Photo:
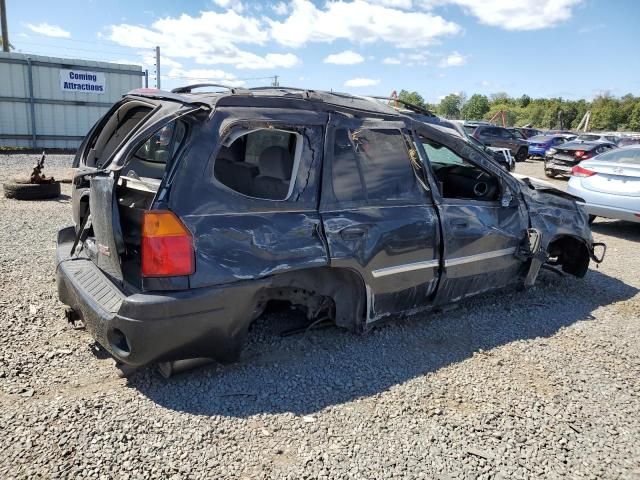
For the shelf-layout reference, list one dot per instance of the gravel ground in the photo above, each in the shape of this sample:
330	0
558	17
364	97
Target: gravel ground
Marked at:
541	384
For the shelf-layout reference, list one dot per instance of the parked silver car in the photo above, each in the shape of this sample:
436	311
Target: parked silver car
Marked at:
610	184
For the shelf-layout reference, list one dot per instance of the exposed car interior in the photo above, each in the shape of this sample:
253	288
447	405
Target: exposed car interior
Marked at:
150	160
259	163
457	177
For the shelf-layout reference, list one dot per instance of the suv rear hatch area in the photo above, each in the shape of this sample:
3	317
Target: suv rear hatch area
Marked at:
122	164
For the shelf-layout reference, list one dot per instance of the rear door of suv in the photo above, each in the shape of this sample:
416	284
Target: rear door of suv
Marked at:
377	213
248	192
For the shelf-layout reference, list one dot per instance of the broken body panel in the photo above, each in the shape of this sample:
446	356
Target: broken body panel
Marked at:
291	233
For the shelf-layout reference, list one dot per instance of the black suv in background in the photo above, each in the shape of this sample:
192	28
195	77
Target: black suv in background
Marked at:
493	136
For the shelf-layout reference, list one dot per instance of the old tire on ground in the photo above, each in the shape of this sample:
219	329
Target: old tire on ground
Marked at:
23	190
521	156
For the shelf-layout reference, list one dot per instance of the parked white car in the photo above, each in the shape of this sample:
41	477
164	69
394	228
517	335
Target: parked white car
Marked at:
609	184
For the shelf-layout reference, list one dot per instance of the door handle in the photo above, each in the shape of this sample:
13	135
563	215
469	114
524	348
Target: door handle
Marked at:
353	233
459	223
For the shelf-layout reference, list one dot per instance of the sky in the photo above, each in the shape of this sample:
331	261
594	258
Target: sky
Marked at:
543	48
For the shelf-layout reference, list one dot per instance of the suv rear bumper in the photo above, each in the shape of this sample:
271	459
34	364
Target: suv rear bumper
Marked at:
155	326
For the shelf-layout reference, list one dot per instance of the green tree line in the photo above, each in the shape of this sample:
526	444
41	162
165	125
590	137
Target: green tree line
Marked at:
607	112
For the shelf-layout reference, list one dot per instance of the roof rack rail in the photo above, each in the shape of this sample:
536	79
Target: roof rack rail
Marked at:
409	106
189	88
271	87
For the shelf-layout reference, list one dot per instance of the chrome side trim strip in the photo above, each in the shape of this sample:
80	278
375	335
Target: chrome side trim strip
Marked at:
409	267
383	272
479	257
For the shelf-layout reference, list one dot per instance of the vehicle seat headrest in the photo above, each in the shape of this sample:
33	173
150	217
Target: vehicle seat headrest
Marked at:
161	156
227	153
276	162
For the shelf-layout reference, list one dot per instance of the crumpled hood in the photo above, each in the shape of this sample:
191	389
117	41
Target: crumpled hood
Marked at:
543	187
553	211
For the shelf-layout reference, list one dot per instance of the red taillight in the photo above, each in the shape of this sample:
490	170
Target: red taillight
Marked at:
579	171
579	153
167	245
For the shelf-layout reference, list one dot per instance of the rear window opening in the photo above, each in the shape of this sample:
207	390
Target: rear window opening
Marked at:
259	163
117	128
137	186
151	159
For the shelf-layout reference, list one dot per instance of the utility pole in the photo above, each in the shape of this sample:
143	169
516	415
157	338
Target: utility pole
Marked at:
157	67
275	81
5	28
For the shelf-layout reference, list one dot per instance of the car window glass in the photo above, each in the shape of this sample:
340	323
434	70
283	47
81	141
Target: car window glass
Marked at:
162	144
385	163
588	138
622	155
259	163
458	177
373	165
346	173
151	158
504	133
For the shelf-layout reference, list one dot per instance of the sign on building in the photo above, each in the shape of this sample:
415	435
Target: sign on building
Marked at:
82	81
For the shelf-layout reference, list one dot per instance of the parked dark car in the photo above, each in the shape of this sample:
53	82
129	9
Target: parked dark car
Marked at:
626	141
560	160
524	132
501	156
493	136
194	210
539	145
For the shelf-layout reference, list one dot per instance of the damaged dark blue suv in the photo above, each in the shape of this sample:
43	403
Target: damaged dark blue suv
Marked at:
194	210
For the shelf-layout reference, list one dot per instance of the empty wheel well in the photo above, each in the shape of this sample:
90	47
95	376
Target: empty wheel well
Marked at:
571	253
335	292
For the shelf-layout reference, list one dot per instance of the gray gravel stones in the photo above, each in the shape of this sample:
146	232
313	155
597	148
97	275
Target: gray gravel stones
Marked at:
541	384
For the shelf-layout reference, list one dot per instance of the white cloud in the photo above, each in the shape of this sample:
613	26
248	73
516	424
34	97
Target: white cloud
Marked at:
280	8
409	59
269	61
514	14
48	30
361	82
403	4
149	59
453	60
206	75
358	21
210	38
235	5
348	57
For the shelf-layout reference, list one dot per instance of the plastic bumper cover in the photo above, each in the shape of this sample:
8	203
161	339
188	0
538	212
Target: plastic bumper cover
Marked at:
155	326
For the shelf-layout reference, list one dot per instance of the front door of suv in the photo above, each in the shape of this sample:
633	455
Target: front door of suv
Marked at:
377	214
483	221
